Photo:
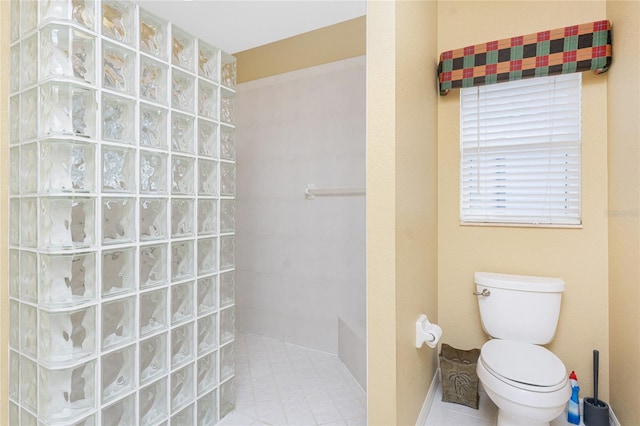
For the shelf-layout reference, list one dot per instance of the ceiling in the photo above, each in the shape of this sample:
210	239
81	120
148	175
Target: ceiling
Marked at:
237	25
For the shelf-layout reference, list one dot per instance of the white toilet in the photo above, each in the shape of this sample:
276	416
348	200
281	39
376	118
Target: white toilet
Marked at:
527	382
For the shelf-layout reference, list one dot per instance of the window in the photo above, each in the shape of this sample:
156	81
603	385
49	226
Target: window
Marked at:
520	152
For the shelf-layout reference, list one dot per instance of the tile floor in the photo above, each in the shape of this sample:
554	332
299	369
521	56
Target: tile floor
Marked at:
282	384
448	414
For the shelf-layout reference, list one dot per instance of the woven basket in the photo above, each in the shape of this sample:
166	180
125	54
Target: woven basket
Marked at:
459	377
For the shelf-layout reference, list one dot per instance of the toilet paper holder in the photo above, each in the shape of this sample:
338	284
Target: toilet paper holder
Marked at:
427	332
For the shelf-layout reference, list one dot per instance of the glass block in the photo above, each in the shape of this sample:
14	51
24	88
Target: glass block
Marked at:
29	276
207	61
208	409
67	223
67	109
153	35
118	21
14	332
67	280
87	421
227	361
67	392
227	289
182	91
118	373
153	173
207	290
14	273
227	398
29	222
14	376
118	68
67	336
207	334
153	311
206	373
227	252
207	216
184	417
227	106
81	12
182	386
181	218
227	179
153	126
153	265
14	409
28	329
207	177
182	256
29	388
14	171
14	66
182	345
118	322
14	20
182	302
29	59
29	114
29	168
153	358
182	49
153	219
122	412
27	419
152	402
182	175
67	166
207	100
118	220
207	138
228	70
153	80
15	119
67	52
118	118
227	216
14	222
227	144
118	271
227	325
118	169
207	255
181	133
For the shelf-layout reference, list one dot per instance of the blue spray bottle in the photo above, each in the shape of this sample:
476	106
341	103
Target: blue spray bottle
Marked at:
574	402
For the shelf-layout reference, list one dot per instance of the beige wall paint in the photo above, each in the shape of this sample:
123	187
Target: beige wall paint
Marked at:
416	199
578	256
329	44
4	209
624	210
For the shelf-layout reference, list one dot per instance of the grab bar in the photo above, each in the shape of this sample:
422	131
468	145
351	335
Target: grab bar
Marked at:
312	192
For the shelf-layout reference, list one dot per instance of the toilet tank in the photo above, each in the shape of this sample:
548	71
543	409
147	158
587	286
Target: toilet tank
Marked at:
519	307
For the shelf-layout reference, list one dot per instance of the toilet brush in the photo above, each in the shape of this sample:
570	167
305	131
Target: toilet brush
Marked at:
596	412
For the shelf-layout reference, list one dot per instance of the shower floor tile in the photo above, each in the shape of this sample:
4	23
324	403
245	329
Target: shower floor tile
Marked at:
282	384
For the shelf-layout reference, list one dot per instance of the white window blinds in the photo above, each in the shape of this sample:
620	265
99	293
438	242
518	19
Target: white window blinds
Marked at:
520	151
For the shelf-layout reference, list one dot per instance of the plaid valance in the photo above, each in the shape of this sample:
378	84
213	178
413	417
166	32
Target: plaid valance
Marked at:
564	50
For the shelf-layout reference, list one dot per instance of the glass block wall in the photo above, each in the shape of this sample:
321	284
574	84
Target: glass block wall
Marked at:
122	185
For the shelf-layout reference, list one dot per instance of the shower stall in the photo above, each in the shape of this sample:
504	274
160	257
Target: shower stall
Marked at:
122	228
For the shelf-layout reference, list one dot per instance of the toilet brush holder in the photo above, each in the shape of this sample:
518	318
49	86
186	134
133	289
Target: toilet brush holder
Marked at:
596	411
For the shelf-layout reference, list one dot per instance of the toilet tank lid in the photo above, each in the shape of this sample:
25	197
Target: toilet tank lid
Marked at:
520	282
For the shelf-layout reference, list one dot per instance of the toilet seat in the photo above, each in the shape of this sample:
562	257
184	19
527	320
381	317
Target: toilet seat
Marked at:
524	365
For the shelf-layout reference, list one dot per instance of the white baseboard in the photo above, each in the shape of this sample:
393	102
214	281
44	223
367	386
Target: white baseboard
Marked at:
426	406
613	420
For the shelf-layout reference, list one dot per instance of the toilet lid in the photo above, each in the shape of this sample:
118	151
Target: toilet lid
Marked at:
523	363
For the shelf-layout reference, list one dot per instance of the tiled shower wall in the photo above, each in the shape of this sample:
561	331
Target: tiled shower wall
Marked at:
122	187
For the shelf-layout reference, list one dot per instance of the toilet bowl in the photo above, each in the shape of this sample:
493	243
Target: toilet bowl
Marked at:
527	382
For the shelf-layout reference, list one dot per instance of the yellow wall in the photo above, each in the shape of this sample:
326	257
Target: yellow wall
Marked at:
329	44
4	209
624	210
578	256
